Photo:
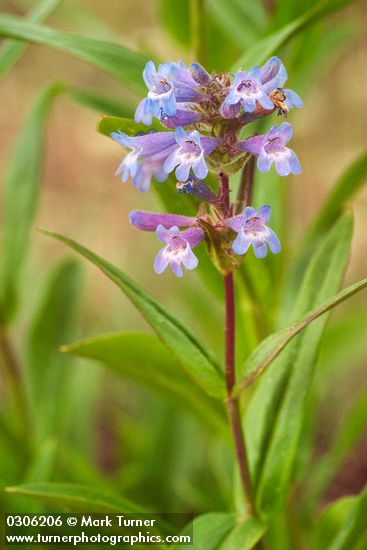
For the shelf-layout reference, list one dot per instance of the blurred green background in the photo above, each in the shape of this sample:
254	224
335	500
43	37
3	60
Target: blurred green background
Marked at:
115	434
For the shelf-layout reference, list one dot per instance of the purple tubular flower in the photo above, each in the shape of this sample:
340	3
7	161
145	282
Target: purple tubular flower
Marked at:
178	249
199	74
181	118
160	95
273	77
185	87
149	221
270	148
246	90
196	187
146	158
190	153
252	230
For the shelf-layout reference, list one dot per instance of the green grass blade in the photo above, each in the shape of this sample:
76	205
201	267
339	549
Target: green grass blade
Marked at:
75	498
264	418
271	347
269	45
200	363
52	325
12	50
354	526
349	184
21	197
118	61
103	104
245	535
144	359
209	530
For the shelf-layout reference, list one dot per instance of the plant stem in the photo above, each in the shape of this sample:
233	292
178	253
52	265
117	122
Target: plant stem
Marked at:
232	403
244	196
197	30
14	375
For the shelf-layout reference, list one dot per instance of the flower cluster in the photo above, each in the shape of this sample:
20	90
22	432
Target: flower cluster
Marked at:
203	118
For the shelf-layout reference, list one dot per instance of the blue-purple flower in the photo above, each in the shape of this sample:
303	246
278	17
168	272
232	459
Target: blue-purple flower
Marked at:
190	153
273	76
146	158
271	148
172	83
252	230
246	91
177	249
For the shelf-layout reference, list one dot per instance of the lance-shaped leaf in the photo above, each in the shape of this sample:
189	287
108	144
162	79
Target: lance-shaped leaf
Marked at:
109	124
244	536
52	325
275	414
144	359
11	51
75	498
101	103
346	187
21	197
354	526
270	348
209	530
267	46
199	362
121	63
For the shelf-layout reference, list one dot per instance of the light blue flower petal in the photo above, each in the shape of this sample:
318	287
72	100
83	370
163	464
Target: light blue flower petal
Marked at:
160	262
285	132
177	269
294	163
180	135
282	164
241	244
171	162
264	162
264	213
200	168
183	170
189	259
148	74
141	116
293	100
260	249
249	212
274	242
168	104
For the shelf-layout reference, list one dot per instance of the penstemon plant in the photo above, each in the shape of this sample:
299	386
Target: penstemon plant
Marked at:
210	114
214	147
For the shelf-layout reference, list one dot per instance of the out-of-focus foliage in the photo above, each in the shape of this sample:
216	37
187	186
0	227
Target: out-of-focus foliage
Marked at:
147	424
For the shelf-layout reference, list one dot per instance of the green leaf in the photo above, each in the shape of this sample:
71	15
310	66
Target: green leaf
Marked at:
12	50
175	17
121	63
199	362
75	498
274	416
354	526
349	183
270	348
233	22
322	472
267	46
144	359
244	536
51	326
209	530
101	103
108	124
21	197
330	522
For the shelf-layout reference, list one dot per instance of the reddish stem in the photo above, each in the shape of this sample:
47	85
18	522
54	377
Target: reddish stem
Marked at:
232	403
